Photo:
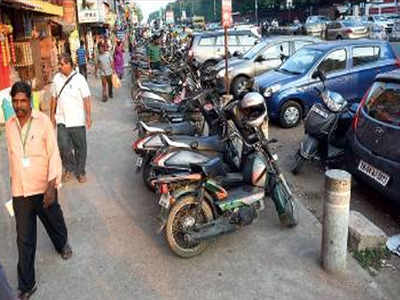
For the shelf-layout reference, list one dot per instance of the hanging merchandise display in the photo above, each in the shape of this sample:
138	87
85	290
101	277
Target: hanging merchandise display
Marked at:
74	43
5	55
23	54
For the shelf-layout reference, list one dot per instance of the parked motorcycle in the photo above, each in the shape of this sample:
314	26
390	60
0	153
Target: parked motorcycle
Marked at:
325	128
203	200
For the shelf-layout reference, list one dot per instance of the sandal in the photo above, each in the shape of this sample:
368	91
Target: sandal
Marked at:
28	294
66	252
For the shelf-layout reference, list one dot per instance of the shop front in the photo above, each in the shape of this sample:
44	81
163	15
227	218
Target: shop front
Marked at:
32	36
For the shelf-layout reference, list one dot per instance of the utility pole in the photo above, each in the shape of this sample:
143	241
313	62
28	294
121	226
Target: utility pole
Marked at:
256	10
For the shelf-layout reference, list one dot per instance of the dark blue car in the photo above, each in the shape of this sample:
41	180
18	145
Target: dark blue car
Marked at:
373	155
349	66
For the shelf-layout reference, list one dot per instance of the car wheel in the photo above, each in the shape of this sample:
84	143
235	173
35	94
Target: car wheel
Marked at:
239	86
290	115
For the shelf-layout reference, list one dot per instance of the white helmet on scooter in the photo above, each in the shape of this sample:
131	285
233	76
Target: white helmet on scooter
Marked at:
253	110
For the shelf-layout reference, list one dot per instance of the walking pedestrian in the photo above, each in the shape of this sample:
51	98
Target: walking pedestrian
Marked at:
154	53
35	176
81	55
6	292
105	65
70	110
119	59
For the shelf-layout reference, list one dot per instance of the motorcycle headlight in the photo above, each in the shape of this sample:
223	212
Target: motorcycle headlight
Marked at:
332	104
271	90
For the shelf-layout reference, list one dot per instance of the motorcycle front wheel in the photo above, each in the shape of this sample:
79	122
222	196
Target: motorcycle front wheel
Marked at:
181	218
290	215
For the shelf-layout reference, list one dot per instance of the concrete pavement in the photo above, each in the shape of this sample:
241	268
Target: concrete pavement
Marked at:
118	255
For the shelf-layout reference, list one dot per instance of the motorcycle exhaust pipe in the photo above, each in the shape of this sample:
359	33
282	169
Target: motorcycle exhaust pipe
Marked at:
210	232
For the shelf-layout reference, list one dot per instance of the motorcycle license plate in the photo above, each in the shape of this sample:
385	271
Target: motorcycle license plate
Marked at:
164	201
320	112
374	173
139	162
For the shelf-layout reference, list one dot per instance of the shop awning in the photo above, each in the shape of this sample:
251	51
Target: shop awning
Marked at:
38	6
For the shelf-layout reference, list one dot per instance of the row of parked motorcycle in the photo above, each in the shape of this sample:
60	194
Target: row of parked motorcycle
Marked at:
207	158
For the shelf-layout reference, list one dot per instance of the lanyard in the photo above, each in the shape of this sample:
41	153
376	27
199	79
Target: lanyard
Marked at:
26	135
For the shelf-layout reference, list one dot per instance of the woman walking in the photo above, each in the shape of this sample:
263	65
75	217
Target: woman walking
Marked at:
119	59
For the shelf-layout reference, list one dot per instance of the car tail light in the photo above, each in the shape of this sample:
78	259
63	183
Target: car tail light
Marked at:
163	188
357	115
397	62
348	31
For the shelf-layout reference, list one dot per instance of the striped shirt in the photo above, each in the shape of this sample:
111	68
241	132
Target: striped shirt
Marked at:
81	54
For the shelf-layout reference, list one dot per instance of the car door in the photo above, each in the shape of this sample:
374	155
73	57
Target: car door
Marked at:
219	49
335	67
271	57
364	68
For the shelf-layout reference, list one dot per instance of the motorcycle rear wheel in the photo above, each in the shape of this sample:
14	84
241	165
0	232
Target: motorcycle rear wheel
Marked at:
298	164
174	231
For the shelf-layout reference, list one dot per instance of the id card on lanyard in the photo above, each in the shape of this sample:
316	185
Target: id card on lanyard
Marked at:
26	163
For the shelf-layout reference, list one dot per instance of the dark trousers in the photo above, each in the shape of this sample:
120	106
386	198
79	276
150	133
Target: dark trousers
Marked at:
73	148
83	70
6	293
26	210
107	81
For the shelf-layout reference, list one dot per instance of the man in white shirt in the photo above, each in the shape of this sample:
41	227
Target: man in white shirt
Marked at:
70	109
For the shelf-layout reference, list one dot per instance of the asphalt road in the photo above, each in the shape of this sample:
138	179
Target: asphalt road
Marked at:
118	254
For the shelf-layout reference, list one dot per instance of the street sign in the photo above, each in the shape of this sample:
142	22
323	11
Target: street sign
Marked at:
226	13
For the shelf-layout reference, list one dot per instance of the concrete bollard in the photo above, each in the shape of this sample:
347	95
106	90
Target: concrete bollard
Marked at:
336	221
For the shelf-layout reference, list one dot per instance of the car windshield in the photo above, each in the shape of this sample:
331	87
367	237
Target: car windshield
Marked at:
250	54
383	103
301	61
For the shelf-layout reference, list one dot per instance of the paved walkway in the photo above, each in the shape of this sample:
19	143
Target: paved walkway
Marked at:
118	255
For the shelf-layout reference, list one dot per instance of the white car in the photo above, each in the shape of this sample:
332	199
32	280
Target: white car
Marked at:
378	32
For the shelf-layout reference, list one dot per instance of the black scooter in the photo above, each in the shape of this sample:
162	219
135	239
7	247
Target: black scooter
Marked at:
325	128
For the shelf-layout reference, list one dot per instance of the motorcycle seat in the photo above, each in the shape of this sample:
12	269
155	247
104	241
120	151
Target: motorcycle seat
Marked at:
159	106
183	159
174	128
209	168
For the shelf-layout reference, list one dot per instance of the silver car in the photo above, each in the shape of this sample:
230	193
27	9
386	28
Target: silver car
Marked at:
348	29
208	48
267	55
315	25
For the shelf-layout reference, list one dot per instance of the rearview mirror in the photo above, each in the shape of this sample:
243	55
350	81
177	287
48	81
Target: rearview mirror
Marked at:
318	74
260	58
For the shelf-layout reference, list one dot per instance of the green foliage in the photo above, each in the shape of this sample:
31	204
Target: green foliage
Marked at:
372	257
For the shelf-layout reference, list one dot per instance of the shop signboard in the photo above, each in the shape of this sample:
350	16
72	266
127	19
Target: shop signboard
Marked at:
90	11
169	17
226	13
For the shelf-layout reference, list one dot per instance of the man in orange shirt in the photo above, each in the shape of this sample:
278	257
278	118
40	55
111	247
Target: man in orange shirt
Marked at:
35	174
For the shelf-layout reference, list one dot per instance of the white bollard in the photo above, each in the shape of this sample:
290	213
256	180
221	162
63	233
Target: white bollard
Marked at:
336	221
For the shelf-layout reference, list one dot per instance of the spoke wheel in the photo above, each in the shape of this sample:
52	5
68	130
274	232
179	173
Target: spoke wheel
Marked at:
182	217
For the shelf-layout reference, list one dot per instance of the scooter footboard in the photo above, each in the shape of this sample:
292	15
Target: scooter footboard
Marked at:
309	147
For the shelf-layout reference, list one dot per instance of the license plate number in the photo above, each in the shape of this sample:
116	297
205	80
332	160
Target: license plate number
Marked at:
139	162
374	173
164	201
320	112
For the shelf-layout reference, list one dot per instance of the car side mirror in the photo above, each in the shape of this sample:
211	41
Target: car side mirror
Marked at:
260	58
236	54
318	74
